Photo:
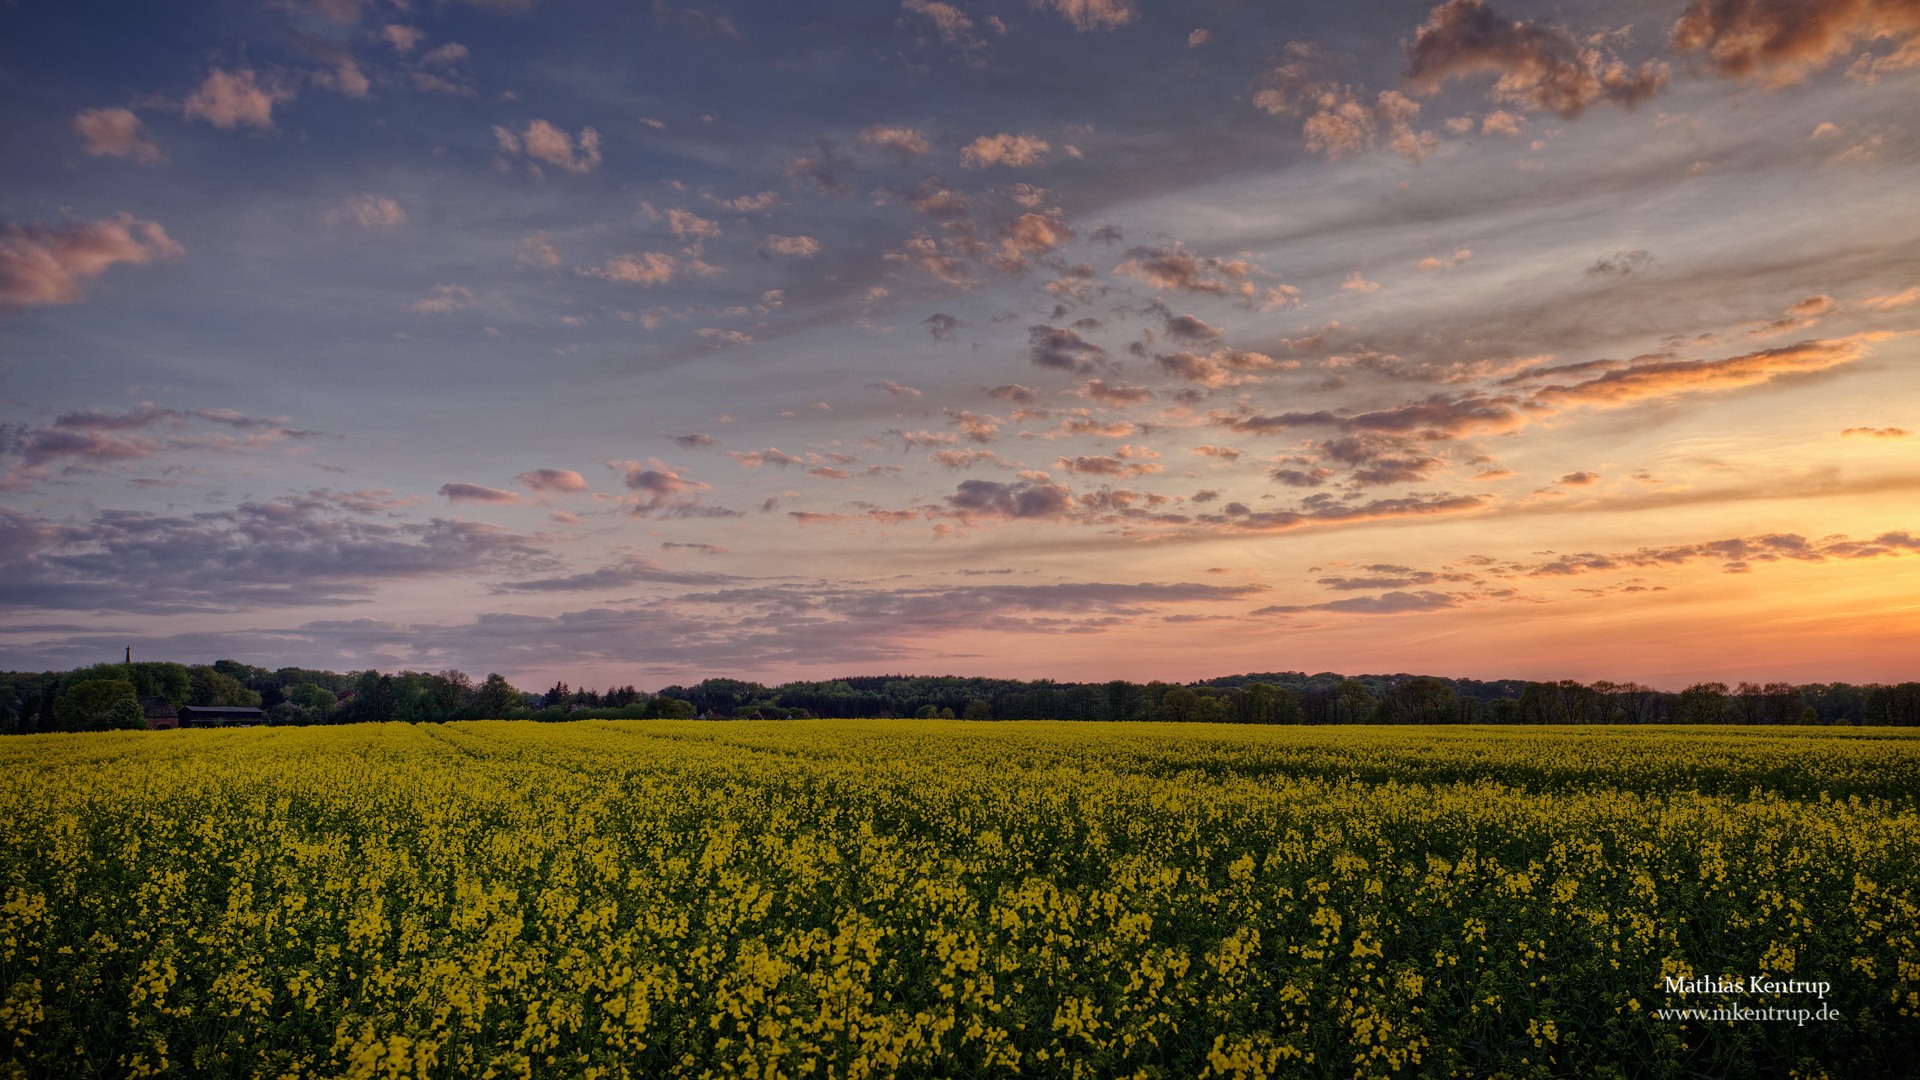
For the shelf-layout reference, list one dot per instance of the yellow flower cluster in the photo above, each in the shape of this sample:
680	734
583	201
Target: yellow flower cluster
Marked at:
870	898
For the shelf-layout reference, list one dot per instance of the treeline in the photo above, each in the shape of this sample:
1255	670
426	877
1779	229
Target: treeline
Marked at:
1326	698
110	695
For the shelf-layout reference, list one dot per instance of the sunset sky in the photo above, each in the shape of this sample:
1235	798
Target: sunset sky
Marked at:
1081	339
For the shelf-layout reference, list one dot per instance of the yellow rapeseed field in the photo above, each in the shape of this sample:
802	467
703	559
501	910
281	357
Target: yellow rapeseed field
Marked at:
876	898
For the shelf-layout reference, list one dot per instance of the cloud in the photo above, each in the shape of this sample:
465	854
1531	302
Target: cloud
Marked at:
1012	151
941	326
963	459
404	39
1089	15
1030	234
48	264
647	268
1536	66
1622	263
1106	465
1579	479
1173	268
551	481
1876	432
456	492
1736	554
903	140
1392	603
661	492
373	212
229	99
626	572
1063	350
1438	416
1435	262
953	27
803	247
1222	367
1220	453
977	500
1381	459
95	441
1342	124
1776	43
117	133
689	442
1357	282
1894	300
1190	329
445	299
1665	378
542	141
1014	392
698	23
1323	510
772	455
1118	395
888	386
302	549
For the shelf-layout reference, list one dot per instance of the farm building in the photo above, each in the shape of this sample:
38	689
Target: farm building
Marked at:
160	713
220	716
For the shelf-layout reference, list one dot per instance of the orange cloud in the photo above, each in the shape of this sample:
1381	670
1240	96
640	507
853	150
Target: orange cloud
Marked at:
1536	66
1777	44
1659	379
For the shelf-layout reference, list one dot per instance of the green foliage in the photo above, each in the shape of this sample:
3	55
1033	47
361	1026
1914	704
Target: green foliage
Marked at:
217	688
126	715
89	705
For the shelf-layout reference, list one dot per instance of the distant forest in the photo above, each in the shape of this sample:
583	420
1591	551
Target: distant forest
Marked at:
120	695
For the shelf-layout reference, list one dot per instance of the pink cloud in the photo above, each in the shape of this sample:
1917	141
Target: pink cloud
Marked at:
647	268
456	492
229	99
117	133
544	481
1088	15
1007	150
42	265
542	141
902	139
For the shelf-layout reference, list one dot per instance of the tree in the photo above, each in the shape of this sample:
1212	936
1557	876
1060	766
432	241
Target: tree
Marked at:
1420	700
88	706
978	709
497	697
127	715
1702	703
314	698
1352	704
1179	705
216	688
670	708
